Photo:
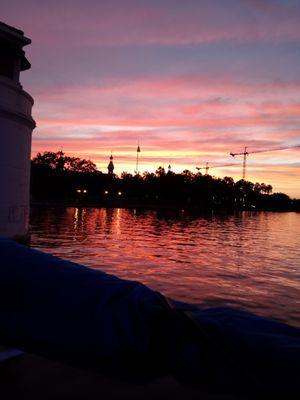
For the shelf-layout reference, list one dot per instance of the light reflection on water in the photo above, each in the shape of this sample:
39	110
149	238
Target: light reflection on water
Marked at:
248	260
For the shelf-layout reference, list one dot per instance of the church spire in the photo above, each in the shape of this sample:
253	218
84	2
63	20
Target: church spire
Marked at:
111	166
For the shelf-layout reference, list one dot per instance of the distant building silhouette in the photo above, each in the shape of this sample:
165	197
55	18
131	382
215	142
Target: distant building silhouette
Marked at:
138	150
111	166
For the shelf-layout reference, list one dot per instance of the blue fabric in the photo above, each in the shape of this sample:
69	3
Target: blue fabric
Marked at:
68	312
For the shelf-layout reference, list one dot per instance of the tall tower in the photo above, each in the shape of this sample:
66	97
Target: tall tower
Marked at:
138	150
16	125
111	166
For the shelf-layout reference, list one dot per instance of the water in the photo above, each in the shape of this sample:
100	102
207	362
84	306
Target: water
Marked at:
247	260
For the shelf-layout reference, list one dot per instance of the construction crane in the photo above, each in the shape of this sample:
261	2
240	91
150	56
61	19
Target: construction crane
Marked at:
207	167
245	154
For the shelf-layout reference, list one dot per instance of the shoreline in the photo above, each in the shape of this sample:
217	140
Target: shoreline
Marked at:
153	207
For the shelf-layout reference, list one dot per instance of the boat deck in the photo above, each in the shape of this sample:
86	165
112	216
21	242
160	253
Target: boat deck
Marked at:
28	377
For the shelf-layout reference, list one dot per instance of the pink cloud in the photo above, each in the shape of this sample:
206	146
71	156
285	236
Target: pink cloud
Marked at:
91	97
205	124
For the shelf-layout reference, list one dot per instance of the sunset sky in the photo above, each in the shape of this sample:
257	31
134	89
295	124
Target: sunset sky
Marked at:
192	80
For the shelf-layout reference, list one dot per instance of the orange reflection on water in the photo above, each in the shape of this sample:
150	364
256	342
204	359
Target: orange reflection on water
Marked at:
249	260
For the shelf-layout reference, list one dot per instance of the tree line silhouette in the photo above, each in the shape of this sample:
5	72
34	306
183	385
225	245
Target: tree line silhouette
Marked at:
58	178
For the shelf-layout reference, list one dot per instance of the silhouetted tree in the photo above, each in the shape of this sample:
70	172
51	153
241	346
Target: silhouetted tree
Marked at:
228	180
267	189
257	187
187	175
75	164
126	175
50	159
58	177
59	161
160	172
148	175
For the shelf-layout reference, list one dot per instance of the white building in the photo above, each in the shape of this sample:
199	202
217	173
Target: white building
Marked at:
16	125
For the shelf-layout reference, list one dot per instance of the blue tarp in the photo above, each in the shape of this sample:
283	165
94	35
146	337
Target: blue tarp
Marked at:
68	312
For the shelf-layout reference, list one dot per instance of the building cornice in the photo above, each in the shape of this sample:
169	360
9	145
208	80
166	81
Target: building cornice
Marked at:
17	117
17	87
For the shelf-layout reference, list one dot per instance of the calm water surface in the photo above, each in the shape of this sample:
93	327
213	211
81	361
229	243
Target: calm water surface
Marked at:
247	260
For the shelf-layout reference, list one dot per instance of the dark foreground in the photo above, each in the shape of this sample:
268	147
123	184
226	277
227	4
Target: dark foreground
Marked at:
30	377
126	331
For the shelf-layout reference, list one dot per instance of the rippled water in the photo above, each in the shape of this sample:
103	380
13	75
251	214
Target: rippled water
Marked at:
247	260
